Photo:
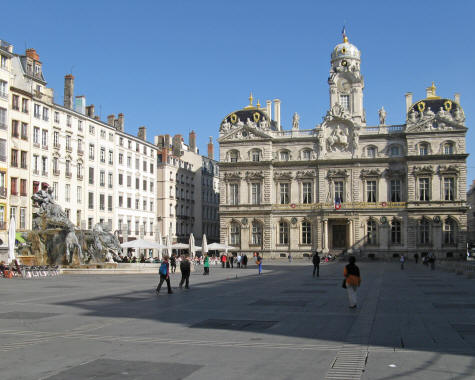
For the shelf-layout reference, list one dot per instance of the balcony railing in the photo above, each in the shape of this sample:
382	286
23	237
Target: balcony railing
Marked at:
69	174
80	152
3	192
44	173
69	149
56	146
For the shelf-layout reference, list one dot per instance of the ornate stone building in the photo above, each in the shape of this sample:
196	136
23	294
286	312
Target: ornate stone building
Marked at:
344	185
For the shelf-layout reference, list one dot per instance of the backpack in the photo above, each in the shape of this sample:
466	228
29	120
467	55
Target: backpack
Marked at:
163	269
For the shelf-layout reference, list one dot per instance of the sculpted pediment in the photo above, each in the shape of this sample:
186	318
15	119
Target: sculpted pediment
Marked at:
230	176
394	173
305	174
337	173
370	173
283	175
426	120
338	137
423	170
244	133
448	169
250	176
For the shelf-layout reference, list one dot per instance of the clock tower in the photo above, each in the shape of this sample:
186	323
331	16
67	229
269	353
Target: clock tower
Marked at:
346	82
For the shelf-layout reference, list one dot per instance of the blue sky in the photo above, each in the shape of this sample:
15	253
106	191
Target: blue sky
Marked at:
180	65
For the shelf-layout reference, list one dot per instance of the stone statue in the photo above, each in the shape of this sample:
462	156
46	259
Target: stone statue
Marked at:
72	242
103	245
226	126
458	115
442	113
429	114
412	117
338	140
263	124
250	123
239	123
295	121
321	143
356	139
382	116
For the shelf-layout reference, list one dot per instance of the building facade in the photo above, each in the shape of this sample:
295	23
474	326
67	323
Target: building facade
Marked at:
345	186
98	172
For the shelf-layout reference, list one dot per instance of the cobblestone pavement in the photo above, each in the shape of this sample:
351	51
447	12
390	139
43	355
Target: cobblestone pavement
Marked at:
235	324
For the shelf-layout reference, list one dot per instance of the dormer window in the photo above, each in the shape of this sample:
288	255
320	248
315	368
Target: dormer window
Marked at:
345	101
423	149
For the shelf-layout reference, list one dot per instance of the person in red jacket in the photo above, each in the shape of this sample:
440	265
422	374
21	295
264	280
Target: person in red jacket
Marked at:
223	260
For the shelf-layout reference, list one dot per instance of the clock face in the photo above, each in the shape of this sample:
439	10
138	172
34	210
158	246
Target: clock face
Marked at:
344	63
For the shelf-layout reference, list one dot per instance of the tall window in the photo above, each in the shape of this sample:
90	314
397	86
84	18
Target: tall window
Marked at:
14	188
371	231
306	233
103	155
24	131
256	233
79	195
255	156
91	151
371	151
67	193
449	232
3	118
424	189
395	232
339	190
284	155
371	191
233	156
235	234
449	148
91	176
306	154
36	135
102	178
255	193
23	187
22	218
283	233
395	195
68	142
394	151
234	194
307	192
102	202
449	189
284	193
44	138
424	231
345	101
423	149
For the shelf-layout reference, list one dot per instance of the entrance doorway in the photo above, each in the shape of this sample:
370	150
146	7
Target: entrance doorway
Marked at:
339	236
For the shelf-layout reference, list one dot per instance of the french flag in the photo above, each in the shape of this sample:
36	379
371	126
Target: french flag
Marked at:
337	203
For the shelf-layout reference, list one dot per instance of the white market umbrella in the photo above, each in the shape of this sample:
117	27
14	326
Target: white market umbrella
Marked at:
204	245
180	246
159	242
221	247
142	244
11	240
192	247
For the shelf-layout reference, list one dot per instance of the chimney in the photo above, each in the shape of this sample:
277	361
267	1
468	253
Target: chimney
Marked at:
110	120
68	91
165	155
277	113
120	123
142	133
177	141
31	53
211	148
269	109
192	140
457	98
90	110
408	101
80	104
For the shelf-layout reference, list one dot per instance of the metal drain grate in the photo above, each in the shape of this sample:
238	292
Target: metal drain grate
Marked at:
348	364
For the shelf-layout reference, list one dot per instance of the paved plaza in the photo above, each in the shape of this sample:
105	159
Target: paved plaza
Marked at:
411	324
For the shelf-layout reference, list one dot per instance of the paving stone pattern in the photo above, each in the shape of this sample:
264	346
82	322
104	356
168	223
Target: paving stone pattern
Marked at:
234	324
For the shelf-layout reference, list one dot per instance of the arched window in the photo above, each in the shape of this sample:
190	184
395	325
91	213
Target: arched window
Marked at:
235	234
306	232
423	149
371	232
371	151
283	233
255	155
395	231
233	156
256	233
449	231
394	151
284	155
424	231
449	148
306	154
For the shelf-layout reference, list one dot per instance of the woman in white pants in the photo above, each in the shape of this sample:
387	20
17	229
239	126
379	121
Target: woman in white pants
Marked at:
353	281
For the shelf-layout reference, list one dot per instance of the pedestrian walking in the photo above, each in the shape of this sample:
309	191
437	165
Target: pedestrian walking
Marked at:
352	281
259	263
290	258
206	265
316	264
164	272
402	260
416	257
173	263
244	261
239	258
231	261
223	260
185	269
432	261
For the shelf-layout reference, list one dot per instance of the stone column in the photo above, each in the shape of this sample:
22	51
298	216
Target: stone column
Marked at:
350	235
325	236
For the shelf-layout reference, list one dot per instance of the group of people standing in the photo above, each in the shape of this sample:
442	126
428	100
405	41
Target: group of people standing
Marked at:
164	272
228	261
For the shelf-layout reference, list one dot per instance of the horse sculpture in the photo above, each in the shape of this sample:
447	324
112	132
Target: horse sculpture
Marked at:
72	242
